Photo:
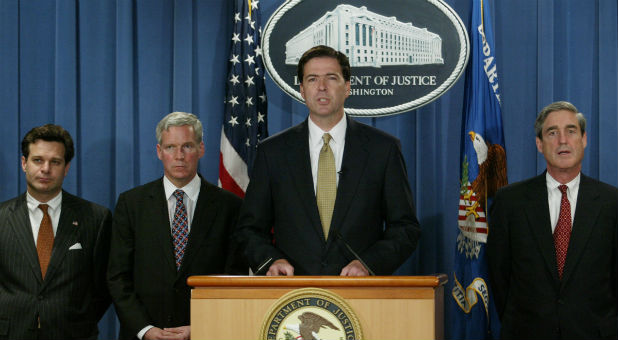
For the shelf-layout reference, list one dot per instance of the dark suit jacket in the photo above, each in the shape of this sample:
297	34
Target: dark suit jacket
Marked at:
531	301
373	189
73	296
142	277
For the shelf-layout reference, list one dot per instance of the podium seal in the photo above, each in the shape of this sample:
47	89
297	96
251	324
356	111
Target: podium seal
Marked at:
311	314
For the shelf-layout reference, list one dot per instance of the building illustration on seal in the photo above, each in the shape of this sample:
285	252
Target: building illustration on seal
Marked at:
368	39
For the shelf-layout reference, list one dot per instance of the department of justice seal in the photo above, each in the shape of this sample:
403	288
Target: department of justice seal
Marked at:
404	53
311	314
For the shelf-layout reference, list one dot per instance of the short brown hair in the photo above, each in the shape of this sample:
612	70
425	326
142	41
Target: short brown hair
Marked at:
49	133
323	51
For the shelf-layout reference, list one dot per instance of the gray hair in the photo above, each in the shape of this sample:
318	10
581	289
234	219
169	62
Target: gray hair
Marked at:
558	106
180	119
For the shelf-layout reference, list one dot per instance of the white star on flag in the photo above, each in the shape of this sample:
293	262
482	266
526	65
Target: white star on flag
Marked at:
250	60
249	39
249	81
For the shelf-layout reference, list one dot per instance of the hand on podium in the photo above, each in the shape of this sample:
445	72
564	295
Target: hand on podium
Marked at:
354	268
176	333
280	267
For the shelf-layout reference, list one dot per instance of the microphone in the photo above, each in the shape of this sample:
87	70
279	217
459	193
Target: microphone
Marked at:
262	266
341	171
340	237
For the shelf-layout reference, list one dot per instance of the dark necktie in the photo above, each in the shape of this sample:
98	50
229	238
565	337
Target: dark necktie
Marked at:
180	227
562	233
45	240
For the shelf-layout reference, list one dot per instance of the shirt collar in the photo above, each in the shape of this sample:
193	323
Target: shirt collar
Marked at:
553	184
192	189
337	133
53	203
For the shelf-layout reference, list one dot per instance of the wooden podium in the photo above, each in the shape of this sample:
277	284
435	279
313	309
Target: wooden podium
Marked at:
388	307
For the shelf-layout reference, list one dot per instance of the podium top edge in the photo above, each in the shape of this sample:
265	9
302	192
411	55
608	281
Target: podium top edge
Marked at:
316	281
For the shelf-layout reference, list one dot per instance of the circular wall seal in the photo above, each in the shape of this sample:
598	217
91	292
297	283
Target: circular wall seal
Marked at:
403	53
313	314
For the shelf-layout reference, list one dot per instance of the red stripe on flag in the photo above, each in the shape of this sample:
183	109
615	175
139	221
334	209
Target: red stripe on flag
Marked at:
227	181
479	219
473	229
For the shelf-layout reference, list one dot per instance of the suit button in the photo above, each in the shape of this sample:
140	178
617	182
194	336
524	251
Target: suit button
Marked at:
324	264
40	297
560	302
169	318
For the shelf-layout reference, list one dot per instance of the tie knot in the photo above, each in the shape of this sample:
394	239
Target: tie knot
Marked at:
563	188
43	207
179	194
326	138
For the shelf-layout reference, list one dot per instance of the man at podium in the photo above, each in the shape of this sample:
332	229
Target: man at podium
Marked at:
329	196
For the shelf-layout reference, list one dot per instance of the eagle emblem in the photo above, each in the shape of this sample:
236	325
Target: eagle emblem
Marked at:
491	159
310	324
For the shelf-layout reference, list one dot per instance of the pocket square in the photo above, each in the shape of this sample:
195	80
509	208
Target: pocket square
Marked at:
76	246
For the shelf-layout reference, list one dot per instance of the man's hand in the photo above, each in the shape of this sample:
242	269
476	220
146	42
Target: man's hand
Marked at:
177	333
280	267
354	268
182	332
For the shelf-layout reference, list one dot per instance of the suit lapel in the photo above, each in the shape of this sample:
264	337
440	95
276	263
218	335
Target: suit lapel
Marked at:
299	163
537	211
205	212
352	167
161	223
586	213
66	233
19	221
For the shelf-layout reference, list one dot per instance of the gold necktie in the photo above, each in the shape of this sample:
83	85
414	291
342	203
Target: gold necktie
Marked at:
327	184
45	240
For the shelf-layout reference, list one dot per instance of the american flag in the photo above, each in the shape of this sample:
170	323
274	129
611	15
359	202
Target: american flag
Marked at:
244	121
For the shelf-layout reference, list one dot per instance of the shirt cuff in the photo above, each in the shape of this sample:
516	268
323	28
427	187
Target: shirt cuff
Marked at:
141	333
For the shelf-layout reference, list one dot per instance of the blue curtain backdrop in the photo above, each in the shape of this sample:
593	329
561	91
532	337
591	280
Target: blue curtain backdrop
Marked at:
108	71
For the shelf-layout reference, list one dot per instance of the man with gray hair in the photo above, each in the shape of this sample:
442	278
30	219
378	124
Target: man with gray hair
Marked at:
165	231
552	242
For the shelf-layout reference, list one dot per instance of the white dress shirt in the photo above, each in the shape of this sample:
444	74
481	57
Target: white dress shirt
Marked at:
554	198
337	144
36	214
192	191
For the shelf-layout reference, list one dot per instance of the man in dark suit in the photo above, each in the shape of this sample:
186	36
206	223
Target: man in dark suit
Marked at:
53	249
326	184
552	242
165	231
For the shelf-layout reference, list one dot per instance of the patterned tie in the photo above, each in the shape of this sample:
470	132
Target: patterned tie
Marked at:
562	233
327	184
180	228
45	240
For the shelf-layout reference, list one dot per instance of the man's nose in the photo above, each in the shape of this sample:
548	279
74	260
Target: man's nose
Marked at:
45	167
321	83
